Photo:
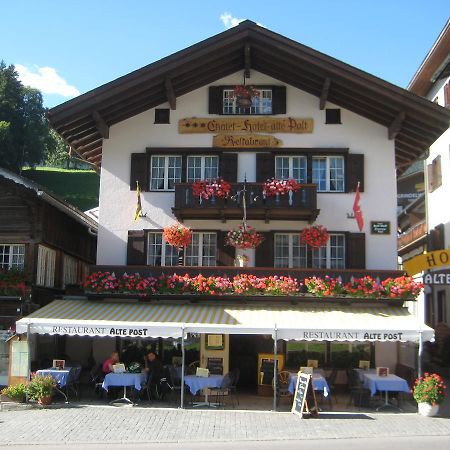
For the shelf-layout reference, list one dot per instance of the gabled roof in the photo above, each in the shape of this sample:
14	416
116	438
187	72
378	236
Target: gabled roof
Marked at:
49	197
415	123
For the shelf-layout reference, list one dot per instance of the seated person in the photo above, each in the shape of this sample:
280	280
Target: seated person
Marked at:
155	370
107	365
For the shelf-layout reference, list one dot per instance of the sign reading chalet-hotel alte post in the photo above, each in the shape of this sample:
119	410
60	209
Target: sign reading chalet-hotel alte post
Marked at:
231	125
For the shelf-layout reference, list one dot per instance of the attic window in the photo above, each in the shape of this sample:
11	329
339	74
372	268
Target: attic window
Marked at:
332	116
261	104
162	115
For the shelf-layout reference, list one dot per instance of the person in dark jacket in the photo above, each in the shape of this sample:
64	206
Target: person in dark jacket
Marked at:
155	370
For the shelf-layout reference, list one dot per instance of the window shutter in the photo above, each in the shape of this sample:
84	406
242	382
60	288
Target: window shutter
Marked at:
225	253
136	248
215	100
434	174
228	166
264	254
265	166
447	95
355	251
278	99
437	238
355	172
139	171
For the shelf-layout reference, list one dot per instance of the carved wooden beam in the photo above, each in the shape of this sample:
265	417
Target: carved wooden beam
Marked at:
247	60
324	93
101	125
396	125
171	97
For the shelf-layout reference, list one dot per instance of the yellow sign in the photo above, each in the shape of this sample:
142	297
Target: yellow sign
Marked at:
246	141
427	261
245	125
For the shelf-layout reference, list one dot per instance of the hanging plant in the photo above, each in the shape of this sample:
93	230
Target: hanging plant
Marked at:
273	187
178	235
244	237
206	189
316	236
245	91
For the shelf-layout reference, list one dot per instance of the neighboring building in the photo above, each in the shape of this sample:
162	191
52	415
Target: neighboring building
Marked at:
432	81
48	241
338	126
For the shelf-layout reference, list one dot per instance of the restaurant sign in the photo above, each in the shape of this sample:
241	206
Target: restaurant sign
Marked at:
245	125
437	278
246	141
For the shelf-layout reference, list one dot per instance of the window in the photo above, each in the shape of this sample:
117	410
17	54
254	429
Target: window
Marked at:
162	115
165	172
12	256
46	267
159	252
441	312
332	116
289	251
202	168
260	105
291	167
202	250
328	173
70	270
332	256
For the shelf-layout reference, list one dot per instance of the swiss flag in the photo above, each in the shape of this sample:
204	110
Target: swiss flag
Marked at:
357	209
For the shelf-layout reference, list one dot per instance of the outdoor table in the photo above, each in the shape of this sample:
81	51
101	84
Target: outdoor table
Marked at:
61	376
319	383
197	383
389	383
124	379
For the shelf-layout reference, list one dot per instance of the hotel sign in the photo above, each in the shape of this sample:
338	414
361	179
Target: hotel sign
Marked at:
245	125
437	278
246	141
427	261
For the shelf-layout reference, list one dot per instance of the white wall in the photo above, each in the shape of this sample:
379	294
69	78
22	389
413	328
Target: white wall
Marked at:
378	202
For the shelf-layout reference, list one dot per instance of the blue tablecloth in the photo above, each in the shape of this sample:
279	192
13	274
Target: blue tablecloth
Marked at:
196	383
124	379
390	383
318	381
61	376
361	373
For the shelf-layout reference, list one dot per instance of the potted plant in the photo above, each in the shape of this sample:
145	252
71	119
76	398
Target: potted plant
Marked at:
429	392
178	235
244	95
14	393
41	389
209	189
316	236
244	236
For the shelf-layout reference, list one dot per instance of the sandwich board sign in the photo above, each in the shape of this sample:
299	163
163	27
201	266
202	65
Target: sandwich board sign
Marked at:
304	393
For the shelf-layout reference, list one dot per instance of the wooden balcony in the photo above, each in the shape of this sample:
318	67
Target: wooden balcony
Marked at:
301	205
416	235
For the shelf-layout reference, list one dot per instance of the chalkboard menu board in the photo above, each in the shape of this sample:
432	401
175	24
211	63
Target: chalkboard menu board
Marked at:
215	366
267	370
304	396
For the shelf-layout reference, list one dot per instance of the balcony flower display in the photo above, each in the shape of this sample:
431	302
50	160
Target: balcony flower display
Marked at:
273	187
211	188
316	236
324	287
12	282
244	236
429	392
102	282
178	235
363	287
401	287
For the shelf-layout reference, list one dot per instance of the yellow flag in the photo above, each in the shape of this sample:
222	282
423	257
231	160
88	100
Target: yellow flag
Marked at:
138	212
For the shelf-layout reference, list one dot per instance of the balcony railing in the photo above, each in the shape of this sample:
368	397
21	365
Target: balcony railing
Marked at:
301	205
413	234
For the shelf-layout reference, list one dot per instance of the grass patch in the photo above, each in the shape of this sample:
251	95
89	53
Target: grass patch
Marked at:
78	187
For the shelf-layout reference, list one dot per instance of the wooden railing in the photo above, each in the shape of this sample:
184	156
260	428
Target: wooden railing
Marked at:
413	234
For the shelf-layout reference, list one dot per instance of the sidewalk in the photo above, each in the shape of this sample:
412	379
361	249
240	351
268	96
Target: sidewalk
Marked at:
106	424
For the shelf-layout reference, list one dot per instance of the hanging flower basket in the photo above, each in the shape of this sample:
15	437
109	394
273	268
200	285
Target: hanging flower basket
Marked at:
244	95
214	188
272	187
244	237
316	236
178	235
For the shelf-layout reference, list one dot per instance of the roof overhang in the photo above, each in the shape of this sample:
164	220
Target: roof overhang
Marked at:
413	122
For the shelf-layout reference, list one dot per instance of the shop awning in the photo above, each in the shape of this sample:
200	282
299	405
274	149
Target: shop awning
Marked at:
300	322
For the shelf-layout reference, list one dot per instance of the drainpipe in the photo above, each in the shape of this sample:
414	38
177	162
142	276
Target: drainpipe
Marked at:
28	358
419	355
182	368
275	368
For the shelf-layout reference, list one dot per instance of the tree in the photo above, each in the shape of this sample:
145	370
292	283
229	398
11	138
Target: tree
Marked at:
24	129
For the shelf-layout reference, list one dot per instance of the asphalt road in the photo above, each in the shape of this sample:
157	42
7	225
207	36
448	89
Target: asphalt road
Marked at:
391	443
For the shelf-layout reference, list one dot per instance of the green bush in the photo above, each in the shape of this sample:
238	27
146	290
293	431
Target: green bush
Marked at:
40	387
16	392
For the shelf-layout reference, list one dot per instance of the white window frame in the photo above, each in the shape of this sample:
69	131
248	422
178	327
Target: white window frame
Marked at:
257	107
166	171
327	250
164	248
327	158
17	250
45	275
202	167
290	250
199	256
70	270
291	166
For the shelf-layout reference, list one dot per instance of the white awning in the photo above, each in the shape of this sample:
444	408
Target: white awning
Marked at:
310	323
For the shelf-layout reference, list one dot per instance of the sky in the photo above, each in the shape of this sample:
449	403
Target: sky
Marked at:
65	48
